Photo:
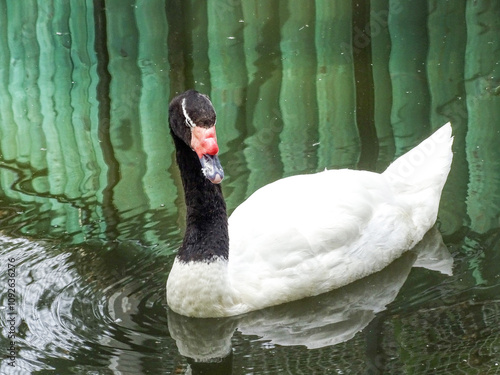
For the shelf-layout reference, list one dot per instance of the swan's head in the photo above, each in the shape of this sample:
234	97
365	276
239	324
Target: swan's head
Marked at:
192	119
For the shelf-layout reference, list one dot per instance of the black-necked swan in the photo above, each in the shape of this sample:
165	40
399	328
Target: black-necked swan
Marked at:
299	236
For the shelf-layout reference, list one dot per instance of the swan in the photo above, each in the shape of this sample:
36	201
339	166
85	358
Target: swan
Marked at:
299	236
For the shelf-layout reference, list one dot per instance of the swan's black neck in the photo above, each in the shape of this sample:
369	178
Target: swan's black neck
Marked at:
206	238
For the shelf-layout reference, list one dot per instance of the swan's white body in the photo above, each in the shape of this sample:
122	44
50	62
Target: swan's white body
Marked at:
306	235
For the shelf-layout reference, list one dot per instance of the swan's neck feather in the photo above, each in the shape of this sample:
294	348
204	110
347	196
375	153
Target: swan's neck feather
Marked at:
206	237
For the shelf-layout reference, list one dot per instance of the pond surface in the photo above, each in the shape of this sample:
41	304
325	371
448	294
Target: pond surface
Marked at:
91	204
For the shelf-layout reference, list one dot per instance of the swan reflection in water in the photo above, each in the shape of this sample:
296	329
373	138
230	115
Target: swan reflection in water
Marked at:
314	322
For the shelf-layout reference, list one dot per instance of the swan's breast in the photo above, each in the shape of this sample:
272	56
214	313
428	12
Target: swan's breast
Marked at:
200	289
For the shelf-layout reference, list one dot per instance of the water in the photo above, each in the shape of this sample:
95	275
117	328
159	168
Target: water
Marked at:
91	206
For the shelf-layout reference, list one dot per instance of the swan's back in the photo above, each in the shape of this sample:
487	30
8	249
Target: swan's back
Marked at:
308	234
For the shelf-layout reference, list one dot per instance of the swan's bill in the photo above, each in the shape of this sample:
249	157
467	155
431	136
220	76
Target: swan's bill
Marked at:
211	168
204	143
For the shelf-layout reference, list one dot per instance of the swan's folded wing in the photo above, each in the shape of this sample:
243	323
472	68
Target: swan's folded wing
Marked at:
308	234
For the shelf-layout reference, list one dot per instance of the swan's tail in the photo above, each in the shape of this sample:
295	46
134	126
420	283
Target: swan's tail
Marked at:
418	176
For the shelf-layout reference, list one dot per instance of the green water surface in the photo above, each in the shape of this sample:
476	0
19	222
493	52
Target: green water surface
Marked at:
91	202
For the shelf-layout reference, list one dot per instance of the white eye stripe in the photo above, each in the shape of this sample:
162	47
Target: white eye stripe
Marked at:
189	122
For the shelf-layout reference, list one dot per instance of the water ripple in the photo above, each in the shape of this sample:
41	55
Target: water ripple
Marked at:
71	301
